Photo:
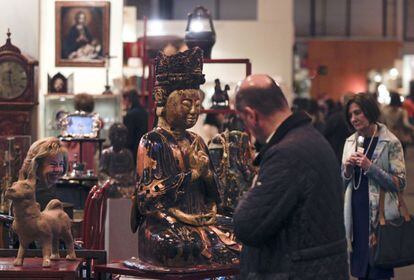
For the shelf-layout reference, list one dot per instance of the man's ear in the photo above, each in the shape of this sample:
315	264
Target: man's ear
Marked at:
250	114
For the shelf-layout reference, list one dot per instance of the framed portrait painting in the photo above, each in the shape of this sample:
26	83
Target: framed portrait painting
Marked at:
82	33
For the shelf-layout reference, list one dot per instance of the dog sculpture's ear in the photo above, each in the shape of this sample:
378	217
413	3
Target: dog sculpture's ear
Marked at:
29	165
31	177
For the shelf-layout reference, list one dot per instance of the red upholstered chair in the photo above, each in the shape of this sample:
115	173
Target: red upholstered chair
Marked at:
94	217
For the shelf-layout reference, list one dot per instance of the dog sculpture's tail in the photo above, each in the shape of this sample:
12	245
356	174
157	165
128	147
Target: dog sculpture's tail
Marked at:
54	204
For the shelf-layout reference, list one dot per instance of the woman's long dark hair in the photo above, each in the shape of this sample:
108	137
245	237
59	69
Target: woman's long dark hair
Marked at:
368	105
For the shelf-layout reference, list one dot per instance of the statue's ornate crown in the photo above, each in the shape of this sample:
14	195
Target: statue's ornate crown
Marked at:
183	70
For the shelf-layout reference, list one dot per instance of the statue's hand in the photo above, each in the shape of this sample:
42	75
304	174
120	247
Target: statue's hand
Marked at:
193	219
199	161
207	219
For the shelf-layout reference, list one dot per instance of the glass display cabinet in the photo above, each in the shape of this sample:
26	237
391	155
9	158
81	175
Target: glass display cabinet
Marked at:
56	105
13	150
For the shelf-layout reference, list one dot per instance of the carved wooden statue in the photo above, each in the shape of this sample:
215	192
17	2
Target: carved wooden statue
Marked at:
44	164
117	163
220	98
232	157
177	194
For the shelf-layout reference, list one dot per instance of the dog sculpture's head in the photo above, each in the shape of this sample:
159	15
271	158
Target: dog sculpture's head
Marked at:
21	190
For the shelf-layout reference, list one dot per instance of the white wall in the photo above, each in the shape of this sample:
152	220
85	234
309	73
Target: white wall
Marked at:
86	79
23	23
267	42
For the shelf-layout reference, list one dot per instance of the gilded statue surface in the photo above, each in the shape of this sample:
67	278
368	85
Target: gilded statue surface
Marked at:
232	157
177	194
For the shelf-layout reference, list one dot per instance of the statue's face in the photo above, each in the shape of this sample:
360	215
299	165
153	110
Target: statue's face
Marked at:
182	108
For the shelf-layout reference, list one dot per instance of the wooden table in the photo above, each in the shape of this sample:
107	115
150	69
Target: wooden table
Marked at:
32	269
121	269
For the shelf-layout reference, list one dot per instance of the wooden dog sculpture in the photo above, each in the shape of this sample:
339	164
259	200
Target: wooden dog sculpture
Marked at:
46	227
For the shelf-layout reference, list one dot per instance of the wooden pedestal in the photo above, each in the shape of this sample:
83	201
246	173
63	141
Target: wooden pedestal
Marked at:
120	242
32	269
120	268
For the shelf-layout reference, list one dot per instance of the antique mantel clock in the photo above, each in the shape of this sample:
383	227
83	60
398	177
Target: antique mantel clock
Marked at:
17	91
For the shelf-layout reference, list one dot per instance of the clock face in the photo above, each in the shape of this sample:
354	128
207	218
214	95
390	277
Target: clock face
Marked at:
13	79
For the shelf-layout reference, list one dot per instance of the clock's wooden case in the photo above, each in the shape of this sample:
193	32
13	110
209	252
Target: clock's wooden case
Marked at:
18	115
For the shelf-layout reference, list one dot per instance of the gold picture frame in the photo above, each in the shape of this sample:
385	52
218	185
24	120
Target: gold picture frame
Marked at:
82	33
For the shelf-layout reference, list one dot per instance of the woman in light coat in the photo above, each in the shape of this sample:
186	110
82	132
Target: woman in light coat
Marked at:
373	159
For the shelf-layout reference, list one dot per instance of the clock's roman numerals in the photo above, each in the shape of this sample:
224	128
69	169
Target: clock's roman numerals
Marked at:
13	79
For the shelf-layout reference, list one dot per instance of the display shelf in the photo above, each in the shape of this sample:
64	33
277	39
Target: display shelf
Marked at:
32	269
121	269
89	258
17	105
245	61
78	179
71	96
73	139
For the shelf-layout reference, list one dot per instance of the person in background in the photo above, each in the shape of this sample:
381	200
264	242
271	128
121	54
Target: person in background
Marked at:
330	107
82	102
47	158
311	107
409	103
377	164
316	114
396	119
136	120
213	125
336	129
290	221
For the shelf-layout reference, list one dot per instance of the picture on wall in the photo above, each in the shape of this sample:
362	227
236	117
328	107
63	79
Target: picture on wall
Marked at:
82	33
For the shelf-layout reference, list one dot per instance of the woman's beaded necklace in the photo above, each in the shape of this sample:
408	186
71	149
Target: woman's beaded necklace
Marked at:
365	154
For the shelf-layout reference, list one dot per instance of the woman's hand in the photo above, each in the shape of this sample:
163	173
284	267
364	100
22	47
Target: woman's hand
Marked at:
349	165
362	161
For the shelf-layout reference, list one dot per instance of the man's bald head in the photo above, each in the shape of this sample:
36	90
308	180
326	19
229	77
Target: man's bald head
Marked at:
260	92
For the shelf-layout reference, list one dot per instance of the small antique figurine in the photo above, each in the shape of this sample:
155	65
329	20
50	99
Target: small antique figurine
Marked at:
44	164
58	83
232	156
177	194
220	98
116	162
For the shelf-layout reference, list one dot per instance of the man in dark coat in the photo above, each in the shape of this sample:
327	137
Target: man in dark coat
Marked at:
136	121
336	131
291	221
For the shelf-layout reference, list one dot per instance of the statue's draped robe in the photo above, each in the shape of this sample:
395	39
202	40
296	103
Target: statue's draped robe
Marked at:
232	159
165	183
